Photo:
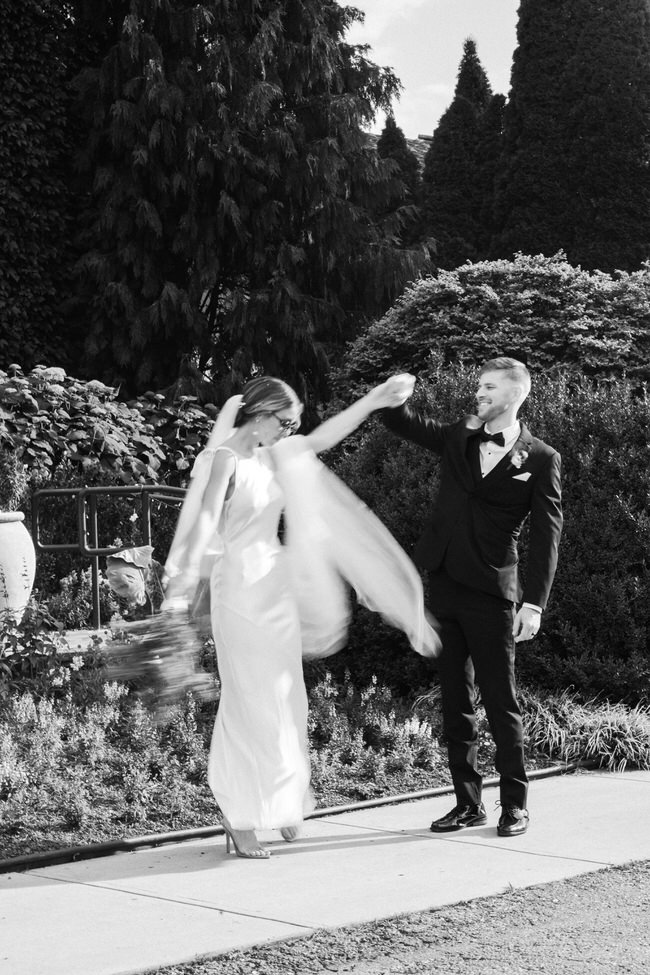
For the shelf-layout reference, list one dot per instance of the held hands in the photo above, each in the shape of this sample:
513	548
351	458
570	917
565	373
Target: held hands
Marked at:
394	392
527	623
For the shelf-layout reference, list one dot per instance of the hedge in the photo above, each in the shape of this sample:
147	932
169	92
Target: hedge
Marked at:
539	309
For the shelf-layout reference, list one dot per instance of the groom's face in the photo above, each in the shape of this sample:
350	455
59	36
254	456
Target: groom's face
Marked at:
496	395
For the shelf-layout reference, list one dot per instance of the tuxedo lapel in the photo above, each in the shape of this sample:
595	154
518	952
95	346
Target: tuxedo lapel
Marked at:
470	461
473	456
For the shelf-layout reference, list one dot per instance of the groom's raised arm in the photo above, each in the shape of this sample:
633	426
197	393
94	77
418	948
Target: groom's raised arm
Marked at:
408	423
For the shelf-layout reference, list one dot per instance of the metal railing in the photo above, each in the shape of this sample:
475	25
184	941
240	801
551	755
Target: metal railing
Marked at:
87	543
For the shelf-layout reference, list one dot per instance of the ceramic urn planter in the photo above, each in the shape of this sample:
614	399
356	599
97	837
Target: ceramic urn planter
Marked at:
17	565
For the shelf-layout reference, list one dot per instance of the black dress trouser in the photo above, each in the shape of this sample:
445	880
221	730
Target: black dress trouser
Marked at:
478	647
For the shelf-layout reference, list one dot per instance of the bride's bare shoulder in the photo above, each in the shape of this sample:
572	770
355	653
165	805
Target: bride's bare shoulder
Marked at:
217	460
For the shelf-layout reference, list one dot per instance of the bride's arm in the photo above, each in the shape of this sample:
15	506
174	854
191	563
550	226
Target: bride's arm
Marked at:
183	582
394	392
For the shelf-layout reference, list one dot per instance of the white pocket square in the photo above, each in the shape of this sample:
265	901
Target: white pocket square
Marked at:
521	477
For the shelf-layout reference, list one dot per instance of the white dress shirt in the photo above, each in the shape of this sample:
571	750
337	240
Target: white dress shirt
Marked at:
491	453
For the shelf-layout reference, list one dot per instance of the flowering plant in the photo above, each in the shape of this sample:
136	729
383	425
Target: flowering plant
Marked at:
36	659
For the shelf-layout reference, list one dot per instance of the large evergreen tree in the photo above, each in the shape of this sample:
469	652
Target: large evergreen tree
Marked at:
453	186
575	172
392	144
490	148
401	210
606	88
231	190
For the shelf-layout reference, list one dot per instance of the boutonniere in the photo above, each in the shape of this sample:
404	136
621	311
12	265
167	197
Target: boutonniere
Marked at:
518	455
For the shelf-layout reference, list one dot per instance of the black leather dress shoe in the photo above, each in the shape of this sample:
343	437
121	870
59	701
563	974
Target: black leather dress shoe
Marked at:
459	818
513	821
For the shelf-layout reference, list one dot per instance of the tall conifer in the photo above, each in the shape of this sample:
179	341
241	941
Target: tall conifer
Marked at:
606	134
453	191
575	174
490	148
402	207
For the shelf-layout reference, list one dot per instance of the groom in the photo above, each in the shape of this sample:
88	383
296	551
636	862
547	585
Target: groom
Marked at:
493	475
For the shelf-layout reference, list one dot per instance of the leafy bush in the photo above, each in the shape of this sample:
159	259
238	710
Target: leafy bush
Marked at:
47	418
65	433
36	658
51	420
72	605
538	308
594	635
130	774
14	480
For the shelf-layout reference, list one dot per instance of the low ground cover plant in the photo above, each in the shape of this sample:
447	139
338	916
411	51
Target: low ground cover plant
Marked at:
72	775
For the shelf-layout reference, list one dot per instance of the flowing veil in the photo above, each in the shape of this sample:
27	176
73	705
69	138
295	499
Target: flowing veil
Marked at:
191	507
333	542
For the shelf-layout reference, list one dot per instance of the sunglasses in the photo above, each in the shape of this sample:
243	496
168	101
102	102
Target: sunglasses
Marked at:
288	426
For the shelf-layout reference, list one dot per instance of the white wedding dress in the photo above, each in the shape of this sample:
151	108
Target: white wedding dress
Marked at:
259	760
273	604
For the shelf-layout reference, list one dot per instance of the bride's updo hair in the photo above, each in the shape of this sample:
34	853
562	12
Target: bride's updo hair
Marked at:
266	395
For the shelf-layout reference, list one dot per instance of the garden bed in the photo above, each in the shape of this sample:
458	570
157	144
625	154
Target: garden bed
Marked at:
85	759
74	774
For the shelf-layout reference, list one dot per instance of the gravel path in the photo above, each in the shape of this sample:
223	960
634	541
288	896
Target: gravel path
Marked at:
596	924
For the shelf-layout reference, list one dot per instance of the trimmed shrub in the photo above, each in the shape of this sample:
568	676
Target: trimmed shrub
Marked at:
540	309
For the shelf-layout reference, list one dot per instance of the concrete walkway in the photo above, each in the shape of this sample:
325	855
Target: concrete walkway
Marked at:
132	912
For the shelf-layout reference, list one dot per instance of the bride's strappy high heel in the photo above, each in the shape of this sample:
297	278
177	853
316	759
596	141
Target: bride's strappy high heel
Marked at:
257	853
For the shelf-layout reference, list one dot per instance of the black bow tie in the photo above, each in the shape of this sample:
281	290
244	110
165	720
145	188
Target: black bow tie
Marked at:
496	438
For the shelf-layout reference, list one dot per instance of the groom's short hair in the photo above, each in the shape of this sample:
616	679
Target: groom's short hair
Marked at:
515	370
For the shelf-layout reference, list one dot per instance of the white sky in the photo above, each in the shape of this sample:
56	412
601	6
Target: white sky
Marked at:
422	41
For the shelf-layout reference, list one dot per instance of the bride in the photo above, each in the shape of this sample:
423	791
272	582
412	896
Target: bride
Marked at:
273	603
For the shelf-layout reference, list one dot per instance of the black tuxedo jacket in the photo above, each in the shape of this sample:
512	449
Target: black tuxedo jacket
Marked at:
475	524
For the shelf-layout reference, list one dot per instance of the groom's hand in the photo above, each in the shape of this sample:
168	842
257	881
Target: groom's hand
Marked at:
394	392
527	623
